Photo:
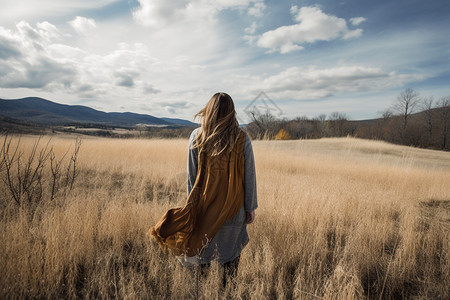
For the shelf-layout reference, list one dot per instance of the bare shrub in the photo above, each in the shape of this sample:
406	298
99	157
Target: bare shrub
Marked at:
33	175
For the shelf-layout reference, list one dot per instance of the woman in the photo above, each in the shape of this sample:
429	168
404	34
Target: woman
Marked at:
221	192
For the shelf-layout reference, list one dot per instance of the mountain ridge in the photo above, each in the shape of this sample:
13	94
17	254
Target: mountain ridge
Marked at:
45	112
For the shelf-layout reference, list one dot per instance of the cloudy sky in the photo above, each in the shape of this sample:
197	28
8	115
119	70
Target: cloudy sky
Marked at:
167	58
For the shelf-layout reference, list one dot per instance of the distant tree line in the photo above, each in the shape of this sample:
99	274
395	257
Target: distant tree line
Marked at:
165	132
139	131
411	120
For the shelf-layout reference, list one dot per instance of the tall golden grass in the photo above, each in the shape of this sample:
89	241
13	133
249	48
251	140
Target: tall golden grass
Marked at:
337	219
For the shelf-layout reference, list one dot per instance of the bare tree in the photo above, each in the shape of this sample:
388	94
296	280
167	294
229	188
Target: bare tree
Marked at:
428	116
322	117
405	106
263	125
337	122
386	114
321	125
444	120
301	127
379	128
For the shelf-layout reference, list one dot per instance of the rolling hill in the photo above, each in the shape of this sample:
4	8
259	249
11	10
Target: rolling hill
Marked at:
180	121
44	112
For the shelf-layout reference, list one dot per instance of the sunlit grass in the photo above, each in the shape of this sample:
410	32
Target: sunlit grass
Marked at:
337	218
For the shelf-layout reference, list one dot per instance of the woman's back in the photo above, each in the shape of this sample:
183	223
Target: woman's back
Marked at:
221	190
232	237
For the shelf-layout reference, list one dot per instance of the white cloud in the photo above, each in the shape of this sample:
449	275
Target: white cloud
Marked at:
357	21
31	58
289	47
17	10
250	39
299	83
313	25
257	10
328	80
160	13
352	34
120	68
48	30
251	29
149	89
125	77
9	45
83	25
294	10
25	61
193	50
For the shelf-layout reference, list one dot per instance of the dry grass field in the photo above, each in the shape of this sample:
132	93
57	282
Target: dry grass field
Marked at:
337	219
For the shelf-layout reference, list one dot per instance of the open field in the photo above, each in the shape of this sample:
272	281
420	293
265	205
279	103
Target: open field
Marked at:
338	218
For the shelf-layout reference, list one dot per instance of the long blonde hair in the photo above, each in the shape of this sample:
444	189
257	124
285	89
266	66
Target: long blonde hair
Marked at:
220	129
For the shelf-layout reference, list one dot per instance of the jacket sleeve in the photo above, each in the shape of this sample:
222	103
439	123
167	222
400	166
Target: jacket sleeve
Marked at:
192	162
250	198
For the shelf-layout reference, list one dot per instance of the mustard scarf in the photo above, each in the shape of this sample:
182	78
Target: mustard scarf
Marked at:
217	195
